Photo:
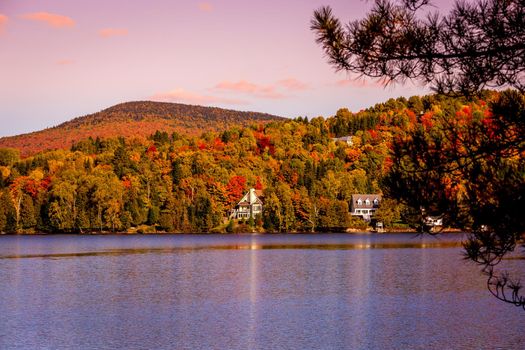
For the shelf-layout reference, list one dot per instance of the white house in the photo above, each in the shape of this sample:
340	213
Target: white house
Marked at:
249	206
347	139
433	221
365	205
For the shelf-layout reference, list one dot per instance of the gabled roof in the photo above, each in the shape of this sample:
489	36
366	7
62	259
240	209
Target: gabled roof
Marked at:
363	198
250	198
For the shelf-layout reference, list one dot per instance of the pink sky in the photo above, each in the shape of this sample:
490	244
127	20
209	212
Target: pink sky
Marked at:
61	58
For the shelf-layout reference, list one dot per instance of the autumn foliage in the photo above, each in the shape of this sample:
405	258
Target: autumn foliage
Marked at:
134	119
176	182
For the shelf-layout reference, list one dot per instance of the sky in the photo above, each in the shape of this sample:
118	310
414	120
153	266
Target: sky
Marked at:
60	59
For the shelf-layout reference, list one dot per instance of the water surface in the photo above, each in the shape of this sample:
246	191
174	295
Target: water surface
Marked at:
326	291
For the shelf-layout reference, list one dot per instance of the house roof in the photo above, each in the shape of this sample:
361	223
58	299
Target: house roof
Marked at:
344	138
251	197
363	198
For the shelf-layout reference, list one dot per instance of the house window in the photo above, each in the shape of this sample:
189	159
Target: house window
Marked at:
376	202
359	201
367	201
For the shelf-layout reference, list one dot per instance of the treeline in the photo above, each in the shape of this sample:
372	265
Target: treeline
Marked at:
176	183
181	113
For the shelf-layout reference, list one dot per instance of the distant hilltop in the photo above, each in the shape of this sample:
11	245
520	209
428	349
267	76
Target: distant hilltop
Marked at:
135	119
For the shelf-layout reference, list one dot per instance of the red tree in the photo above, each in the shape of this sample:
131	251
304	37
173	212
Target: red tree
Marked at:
235	188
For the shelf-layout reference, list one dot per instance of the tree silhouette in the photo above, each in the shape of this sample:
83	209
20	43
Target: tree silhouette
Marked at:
478	45
466	165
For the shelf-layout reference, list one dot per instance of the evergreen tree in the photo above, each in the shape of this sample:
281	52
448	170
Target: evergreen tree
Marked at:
27	213
3	216
11	224
176	172
229	228
153	215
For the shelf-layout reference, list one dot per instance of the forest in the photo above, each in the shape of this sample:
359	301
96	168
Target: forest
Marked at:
171	182
138	118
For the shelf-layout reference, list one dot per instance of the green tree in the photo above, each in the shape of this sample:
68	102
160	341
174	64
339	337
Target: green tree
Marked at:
59	218
306	209
27	213
333	215
11	224
153	215
9	156
63	209
177	172
287	214
112	215
122	163
389	212
203	213
82	219
229	228
3	214
106	199
272	212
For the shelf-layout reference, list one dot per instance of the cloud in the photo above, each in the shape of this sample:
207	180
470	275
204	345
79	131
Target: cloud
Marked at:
64	62
109	32
181	95
243	86
293	84
51	19
360	83
3	23
205	7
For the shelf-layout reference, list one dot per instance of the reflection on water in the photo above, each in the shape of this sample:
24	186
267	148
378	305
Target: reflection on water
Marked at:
253	246
248	292
64	246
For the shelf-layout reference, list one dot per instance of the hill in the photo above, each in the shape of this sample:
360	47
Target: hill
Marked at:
135	119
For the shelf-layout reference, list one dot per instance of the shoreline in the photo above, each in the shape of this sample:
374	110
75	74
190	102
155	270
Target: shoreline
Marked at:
254	233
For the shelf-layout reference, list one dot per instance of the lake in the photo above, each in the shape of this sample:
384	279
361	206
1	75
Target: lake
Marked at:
319	291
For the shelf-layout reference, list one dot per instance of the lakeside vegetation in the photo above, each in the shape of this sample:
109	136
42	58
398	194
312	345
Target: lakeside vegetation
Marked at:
176	183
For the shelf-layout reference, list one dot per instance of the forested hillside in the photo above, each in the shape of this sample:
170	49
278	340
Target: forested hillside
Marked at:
134	119
180	183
